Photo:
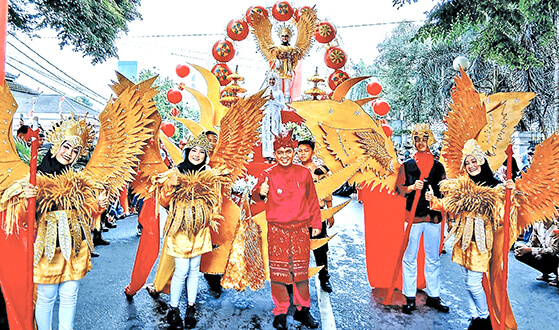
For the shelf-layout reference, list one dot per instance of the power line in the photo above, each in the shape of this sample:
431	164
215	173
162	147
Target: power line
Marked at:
54	66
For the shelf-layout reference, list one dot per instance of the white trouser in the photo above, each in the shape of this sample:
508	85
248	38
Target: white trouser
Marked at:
185	267
46	296
431	241
476	294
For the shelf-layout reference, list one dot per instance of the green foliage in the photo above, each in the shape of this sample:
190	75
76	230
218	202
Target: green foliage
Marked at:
24	151
164	106
300	132
90	26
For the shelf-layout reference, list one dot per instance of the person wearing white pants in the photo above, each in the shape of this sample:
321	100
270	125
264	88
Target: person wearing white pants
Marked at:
186	269
417	175
46	296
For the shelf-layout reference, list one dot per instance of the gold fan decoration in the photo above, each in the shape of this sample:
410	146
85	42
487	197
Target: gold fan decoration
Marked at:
288	56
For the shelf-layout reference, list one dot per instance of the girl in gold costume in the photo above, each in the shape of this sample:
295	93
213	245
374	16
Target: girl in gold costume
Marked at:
475	202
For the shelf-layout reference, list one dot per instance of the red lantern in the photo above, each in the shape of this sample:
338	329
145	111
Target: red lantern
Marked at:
168	128
300	12
223	51
282	11
336	78
374	88
174	112
381	108
182	70
222	71
174	96
259	9
237	29
335	57
325	32
387	130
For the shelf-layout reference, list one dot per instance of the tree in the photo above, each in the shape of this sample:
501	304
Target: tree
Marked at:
90	26
164	106
521	34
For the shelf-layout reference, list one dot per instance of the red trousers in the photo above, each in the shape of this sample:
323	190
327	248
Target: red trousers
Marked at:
280	296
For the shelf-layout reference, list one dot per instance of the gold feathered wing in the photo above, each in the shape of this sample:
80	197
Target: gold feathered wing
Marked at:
367	150
305	30
238	134
12	168
466	118
125	130
541	184
262	30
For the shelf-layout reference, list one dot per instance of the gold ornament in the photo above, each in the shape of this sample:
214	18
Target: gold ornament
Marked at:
78	132
285	31
472	148
199	141
422	130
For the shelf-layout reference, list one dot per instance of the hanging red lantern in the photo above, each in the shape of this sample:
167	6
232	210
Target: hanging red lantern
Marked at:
282	11
174	95
300	12
336	78
387	130
381	108
325	32
174	112
259	9
335	57
237	29
168	128
374	88
222	71
223	51
182	70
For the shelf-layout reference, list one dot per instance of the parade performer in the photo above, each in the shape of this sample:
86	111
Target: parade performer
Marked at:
271	123
192	192
306	152
475	202
68	200
415	177
291	208
488	216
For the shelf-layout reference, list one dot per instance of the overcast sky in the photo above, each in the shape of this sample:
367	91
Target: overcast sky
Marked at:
150	41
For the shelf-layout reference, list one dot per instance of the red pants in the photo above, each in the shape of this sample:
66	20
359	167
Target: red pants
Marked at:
301	296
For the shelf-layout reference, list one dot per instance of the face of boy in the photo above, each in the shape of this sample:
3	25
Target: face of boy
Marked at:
305	153
284	156
421	143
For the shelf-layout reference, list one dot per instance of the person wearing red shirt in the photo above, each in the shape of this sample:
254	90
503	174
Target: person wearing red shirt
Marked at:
291	208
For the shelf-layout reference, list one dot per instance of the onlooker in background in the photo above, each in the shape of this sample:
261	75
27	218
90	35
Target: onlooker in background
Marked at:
529	157
541	252
22	131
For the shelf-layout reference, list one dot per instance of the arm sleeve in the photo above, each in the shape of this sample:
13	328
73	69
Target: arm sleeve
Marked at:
401	188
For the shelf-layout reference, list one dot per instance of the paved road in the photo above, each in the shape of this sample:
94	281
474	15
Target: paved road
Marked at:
102	303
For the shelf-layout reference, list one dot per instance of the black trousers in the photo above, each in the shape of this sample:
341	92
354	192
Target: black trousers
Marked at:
321	255
547	264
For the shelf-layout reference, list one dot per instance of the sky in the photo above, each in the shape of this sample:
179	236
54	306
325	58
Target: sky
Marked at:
159	41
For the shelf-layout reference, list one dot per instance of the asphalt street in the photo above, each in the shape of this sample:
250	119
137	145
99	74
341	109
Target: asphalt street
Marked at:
102	303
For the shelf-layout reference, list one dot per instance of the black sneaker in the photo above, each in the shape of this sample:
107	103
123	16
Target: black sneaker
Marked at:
174	318
436	303
326	286
189	317
304	316
409	306
280	322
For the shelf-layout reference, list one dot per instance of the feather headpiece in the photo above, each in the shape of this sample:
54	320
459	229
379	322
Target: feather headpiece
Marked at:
471	147
199	141
78	132
422	130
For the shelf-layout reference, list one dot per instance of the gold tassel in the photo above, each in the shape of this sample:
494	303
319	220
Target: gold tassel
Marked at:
51	235
468	231
40	241
64	234
480	234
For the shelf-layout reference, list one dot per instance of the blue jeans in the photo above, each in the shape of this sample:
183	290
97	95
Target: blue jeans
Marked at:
476	294
46	296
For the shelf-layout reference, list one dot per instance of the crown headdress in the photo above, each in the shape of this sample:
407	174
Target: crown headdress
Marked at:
199	141
284	140
471	147
422	130
285	30
78	132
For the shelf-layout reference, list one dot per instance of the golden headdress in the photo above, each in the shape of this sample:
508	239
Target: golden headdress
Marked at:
199	141
78	132
471	147
421	130
285	30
